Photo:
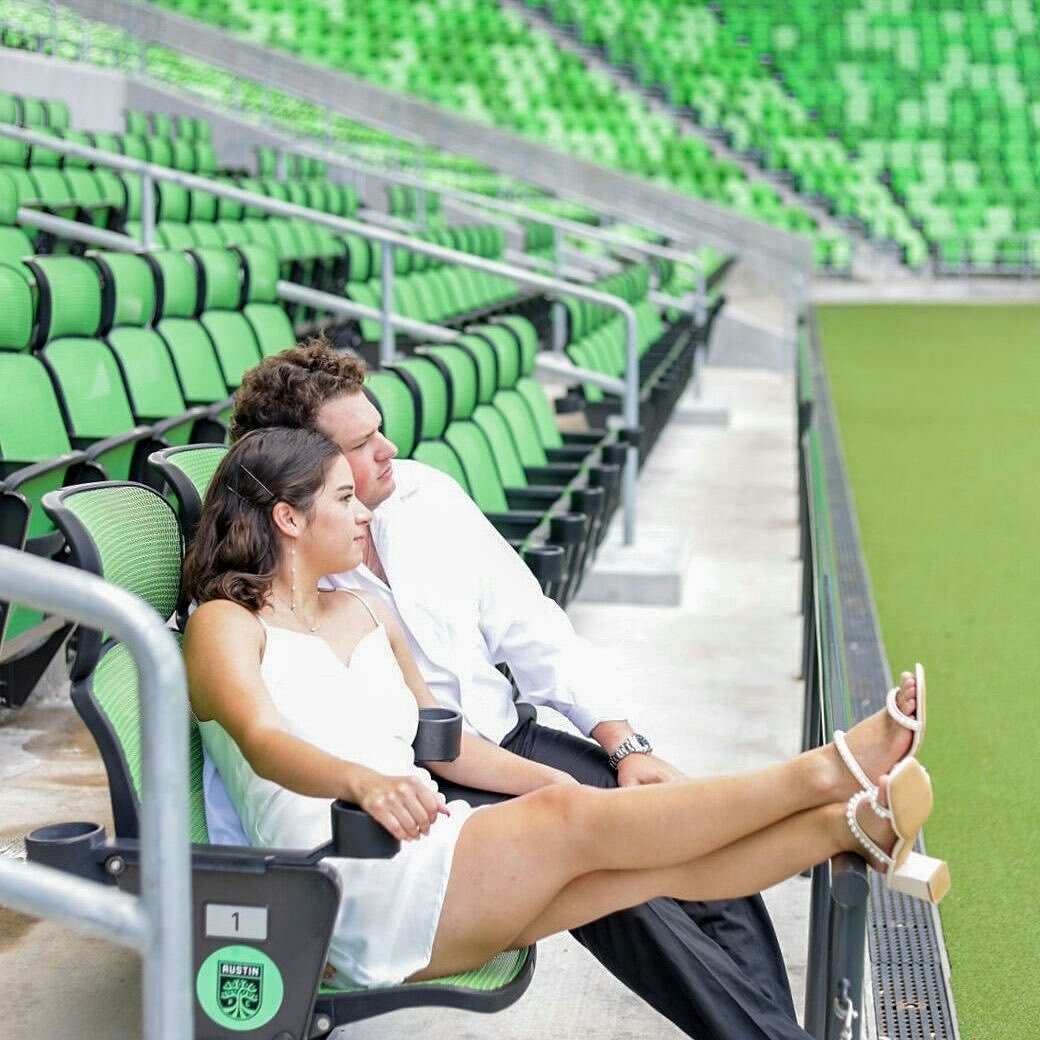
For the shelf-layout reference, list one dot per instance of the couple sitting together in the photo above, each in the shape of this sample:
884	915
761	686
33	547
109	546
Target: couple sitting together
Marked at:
338	592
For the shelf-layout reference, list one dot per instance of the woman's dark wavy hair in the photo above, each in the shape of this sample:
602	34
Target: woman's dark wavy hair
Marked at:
235	551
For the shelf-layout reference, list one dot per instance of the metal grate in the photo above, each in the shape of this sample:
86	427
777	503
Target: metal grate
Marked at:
912	996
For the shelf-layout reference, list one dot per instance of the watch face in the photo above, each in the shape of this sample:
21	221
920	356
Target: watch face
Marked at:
641	742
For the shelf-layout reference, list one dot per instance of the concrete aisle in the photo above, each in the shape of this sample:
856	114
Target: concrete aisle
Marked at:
713	682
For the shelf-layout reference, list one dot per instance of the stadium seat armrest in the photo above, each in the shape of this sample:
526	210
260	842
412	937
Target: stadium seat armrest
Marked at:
590	437
534	497
571	453
556	473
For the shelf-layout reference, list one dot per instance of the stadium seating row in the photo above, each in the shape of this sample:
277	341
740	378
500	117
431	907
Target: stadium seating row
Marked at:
550	94
915	123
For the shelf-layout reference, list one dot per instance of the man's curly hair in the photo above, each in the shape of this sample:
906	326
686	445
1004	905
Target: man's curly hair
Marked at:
289	389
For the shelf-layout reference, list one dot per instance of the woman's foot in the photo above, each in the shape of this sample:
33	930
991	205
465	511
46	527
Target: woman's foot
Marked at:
876	744
884	827
878	829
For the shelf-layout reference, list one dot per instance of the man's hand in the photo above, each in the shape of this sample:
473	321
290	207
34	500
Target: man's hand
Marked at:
635	770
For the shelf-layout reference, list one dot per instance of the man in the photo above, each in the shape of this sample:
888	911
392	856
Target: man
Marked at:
468	603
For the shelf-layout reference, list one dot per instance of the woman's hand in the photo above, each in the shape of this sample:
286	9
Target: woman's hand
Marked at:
404	805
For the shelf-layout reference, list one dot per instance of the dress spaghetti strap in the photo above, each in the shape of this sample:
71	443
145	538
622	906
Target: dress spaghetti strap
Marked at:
361	600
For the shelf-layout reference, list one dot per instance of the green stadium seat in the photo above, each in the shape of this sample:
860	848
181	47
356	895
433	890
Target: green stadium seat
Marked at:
70	318
193	352
153	390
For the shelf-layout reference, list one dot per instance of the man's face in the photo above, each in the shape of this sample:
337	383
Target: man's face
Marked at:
353	422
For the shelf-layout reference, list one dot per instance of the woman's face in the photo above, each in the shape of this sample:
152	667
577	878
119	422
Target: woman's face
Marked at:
336	528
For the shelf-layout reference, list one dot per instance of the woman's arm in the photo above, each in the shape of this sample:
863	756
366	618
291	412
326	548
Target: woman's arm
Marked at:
481	763
222	649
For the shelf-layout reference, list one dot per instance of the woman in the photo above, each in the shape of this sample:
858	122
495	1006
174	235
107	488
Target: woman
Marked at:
305	696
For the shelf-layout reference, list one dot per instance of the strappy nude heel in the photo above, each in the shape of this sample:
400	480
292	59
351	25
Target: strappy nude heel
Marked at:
915	722
909	805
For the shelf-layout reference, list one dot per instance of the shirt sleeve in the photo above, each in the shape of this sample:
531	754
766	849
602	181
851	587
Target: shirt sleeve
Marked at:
530	633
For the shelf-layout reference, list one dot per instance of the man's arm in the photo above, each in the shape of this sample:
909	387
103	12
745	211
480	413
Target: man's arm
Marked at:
549	662
635	769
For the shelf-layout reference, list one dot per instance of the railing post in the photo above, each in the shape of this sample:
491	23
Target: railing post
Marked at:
559	312
420	201
147	211
387	343
631	412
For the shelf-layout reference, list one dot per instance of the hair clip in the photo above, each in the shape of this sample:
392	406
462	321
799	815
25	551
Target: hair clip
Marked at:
265	488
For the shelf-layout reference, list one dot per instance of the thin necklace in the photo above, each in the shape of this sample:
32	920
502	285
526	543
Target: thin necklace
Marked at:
298	614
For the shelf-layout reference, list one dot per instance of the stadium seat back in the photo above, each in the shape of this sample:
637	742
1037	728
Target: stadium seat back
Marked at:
187	472
398	409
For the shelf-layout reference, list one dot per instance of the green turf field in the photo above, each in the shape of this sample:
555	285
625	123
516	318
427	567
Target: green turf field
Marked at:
939	411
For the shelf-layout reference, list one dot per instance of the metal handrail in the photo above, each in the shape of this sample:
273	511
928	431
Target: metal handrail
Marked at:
291	292
838	899
158	923
389	239
516	209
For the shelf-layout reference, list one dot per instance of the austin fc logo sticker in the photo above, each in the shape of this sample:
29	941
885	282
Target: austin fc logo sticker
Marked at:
240	989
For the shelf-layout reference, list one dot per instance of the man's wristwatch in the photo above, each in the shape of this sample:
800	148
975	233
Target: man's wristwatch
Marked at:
636	744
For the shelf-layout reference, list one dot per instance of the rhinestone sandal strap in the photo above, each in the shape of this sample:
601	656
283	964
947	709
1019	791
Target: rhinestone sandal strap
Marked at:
907	721
879	855
854	767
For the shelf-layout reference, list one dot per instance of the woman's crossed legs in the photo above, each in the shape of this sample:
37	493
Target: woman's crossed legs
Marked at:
563	856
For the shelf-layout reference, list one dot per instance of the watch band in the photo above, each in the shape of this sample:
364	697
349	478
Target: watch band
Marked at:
634	744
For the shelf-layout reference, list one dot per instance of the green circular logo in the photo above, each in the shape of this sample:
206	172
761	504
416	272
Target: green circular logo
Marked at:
240	987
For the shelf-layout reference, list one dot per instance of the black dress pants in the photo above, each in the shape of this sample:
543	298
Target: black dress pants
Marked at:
714	969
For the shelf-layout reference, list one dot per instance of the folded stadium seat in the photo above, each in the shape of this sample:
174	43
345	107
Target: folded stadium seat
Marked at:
172	208
32	113
99	194
471	378
402	423
128	535
14	242
229	222
137	123
601	468
194	353
221	288
70	317
558	446
269	322
518	516
129	292
8	108
35	457
202	223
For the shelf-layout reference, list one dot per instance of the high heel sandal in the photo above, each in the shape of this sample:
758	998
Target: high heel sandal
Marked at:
909	804
915	722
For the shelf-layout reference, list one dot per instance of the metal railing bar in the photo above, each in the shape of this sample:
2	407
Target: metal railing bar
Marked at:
165	841
558	366
289	291
393	238
90	908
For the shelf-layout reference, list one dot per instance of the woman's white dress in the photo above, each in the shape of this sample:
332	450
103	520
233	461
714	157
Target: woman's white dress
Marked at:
365	713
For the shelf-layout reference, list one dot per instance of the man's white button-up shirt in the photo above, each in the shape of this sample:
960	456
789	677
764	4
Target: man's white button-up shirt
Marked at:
468	602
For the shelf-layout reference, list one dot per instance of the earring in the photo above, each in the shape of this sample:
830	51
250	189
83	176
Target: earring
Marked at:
292	575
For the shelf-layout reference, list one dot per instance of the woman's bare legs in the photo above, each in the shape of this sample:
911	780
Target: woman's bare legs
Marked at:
515	861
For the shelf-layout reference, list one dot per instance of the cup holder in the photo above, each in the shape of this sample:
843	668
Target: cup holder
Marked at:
71	847
355	835
438	737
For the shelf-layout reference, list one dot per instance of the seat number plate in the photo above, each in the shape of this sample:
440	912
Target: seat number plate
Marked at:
224	921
